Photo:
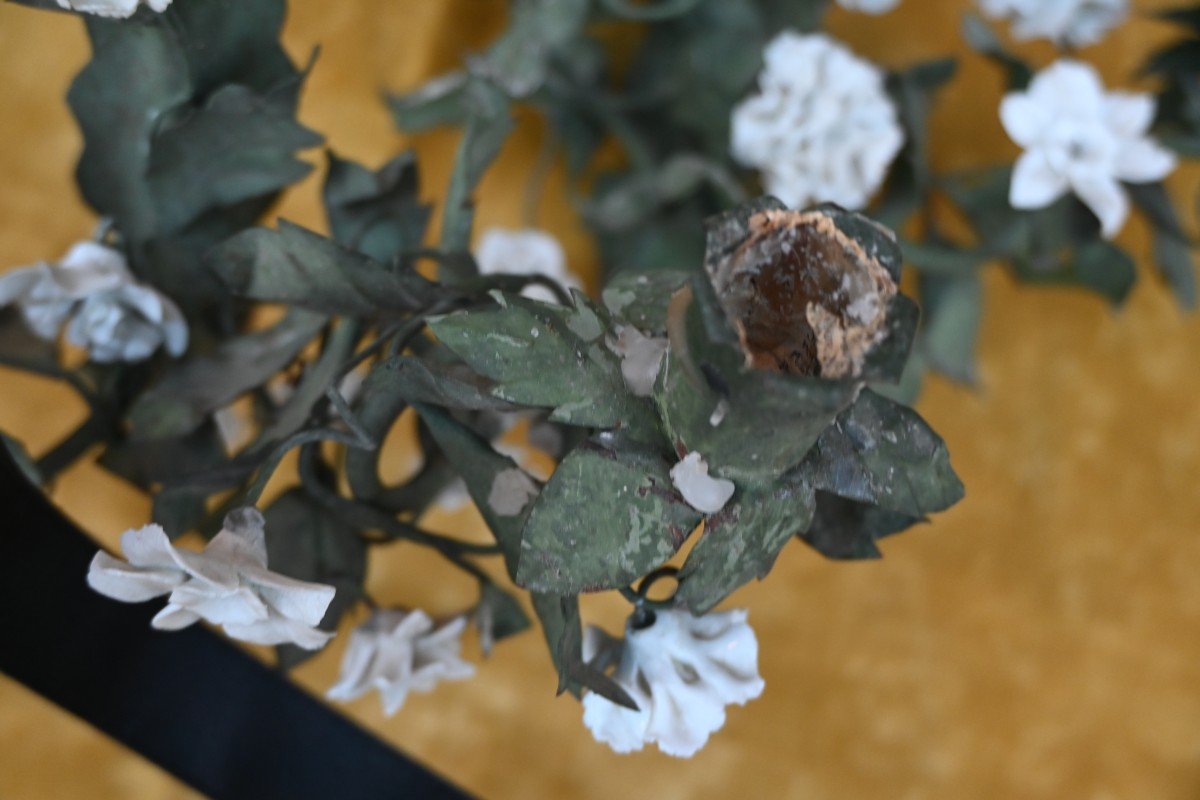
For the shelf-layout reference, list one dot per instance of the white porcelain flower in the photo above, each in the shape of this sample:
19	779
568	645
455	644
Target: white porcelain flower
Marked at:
397	652
1073	23
869	6
228	584
525	252
682	671
701	492
1079	138
821	128
112	8
93	293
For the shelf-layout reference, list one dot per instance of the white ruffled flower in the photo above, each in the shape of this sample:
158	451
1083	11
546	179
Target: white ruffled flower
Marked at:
821	128
525	252
112	8
701	492
869	6
682	671
1079	138
228	584
93	293
1073	23
397	652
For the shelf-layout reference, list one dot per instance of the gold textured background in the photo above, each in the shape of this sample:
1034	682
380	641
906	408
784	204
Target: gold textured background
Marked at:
1042	640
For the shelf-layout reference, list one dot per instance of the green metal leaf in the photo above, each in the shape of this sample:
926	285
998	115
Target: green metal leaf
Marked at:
882	453
741	542
488	123
379	214
502	492
635	522
414	380
191	390
236	147
20	456
301	268
306	543
156	72
846	530
953	312
500	612
641	298
548	356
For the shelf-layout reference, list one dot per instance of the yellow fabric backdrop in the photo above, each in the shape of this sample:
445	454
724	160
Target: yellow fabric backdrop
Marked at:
1042	640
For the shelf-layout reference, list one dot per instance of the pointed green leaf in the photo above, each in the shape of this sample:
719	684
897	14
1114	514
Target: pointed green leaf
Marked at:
635	522
884	454
20	456
559	616
379	214
500	612
236	147
742	540
191	390
953	311
641	298
306	543
846	530
548	356
301	268
502	492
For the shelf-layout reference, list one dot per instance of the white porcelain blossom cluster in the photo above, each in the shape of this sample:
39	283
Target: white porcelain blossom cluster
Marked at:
397	652
525	252
1070	23
1079	138
821	127
105	310
682	671
113	8
228	584
869	6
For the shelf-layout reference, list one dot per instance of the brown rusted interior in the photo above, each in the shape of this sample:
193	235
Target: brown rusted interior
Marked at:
793	269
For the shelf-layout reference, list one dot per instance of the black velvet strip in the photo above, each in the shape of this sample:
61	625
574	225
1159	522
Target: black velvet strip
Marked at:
188	701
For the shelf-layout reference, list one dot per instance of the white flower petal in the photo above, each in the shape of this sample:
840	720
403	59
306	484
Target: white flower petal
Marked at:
1023	118
1072	23
228	584
1107	200
242	539
681	671
822	127
1128	114
173	618
396	653
869	6
89	268
238	607
525	252
1144	161
120	581
356	664
276	630
622	729
299	600
17	283
93	293
112	8
1035	183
